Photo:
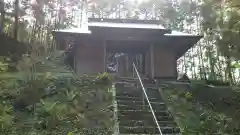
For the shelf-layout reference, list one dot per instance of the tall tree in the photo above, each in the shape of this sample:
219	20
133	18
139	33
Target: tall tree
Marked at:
2	11
16	7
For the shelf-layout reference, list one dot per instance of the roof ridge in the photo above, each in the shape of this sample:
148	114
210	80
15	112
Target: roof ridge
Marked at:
116	20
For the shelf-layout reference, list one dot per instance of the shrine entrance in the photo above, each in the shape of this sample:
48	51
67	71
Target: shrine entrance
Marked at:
122	54
121	64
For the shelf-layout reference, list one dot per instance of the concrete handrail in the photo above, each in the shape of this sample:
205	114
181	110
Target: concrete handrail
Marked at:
144	91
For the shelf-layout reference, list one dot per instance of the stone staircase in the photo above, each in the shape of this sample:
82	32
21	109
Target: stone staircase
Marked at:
134	115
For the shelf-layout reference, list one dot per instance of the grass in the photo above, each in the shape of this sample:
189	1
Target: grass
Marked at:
204	110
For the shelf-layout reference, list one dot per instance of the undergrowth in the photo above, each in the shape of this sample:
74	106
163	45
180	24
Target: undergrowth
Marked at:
201	110
51	105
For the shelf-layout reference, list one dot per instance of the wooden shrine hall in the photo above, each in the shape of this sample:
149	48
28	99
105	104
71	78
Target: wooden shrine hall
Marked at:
153	48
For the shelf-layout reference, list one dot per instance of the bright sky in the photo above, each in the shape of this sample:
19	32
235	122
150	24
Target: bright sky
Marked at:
139	1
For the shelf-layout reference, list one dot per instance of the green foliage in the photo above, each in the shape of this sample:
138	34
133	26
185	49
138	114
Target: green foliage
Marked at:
236	65
3	65
56	106
203	110
104	78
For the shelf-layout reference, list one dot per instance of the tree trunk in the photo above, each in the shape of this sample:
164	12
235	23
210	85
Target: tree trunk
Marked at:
201	61
212	75
193	65
2	17
2	21
15	33
229	70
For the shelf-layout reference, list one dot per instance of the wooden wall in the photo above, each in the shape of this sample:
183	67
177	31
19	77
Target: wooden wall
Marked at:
165	64
90	57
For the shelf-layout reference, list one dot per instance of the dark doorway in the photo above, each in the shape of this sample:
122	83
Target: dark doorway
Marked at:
122	54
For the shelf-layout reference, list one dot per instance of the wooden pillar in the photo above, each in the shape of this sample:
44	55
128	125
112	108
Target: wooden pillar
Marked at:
130	63
117	65
175	64
139	63
105	55
74	59
144	63
147	64
152	61
126	63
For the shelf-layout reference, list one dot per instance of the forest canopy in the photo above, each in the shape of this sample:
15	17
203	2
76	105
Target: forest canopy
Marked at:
215	57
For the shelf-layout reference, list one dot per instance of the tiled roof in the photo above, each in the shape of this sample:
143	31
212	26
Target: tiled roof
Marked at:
123	23
74	30
177	33
126	25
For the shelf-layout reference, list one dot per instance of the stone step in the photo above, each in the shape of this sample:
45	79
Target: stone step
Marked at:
129	94
152	91
132	102
124	85
154	86
138	94
127	88
148	130
125	82
133	90
143	113
122	118
127	98
129	81
154	95
137	91
142	123
147	117
140	107
126	78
